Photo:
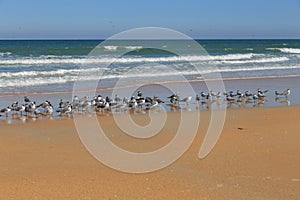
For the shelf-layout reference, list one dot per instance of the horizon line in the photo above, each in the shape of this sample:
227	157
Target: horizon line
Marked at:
298	38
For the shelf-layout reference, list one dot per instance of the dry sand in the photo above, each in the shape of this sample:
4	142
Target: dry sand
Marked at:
256	157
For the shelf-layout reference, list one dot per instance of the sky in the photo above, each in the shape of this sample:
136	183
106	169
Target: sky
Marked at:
99	19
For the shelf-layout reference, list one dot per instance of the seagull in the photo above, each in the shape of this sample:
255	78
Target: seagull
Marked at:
186	100
213	94
148	100
286	93
5	110
102	106
14	105
232	94
75	99
125	100
197	99
278	93
248	94
139	94
65	110
45	109
132	103
261	95
49	110
26	100
240	99
140	102
120	107
205	96
230	99
262	91
159	101
30	107
20	109
117	98
44	104
173	98
107	106
255	97
107	99
85	105
93	102
63	104
99	98
151	105
239	93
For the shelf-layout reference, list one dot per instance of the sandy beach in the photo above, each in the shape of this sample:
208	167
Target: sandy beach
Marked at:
158	100
256	157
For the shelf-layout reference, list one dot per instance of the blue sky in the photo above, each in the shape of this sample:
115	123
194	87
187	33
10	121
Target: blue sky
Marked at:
196	18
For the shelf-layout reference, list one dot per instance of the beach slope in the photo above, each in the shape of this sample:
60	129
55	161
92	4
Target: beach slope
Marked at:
256	157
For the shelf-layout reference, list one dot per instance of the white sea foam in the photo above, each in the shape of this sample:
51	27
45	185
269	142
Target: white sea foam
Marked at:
114	48
110	48
59	72
133	47
5	53
24	82
58	77
286	50
264	60
54	60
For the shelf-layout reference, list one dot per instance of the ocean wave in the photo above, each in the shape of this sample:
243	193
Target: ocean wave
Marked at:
37	81
264	60
24	79
285	50
54	60
5	53
133	47
110	48
60	72
114	48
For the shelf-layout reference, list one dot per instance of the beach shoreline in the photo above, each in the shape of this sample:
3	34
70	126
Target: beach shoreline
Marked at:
165	89
195	79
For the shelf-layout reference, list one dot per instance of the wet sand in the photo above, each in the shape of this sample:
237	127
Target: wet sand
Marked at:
162	90
256	157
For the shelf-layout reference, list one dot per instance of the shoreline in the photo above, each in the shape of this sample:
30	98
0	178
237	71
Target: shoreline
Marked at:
195	80
163	91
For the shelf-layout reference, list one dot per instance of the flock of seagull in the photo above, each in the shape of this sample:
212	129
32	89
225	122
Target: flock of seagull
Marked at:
137	103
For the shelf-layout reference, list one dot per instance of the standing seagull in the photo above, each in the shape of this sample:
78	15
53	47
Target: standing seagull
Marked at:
6	111
278	93
174	98
140	102
20	109
64	111
139	94
286	93
186	100
197	99
26	100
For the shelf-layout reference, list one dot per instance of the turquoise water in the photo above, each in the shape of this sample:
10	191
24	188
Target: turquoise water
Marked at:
54	65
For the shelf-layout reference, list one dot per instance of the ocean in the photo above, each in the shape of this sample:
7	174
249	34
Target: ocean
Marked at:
54	65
